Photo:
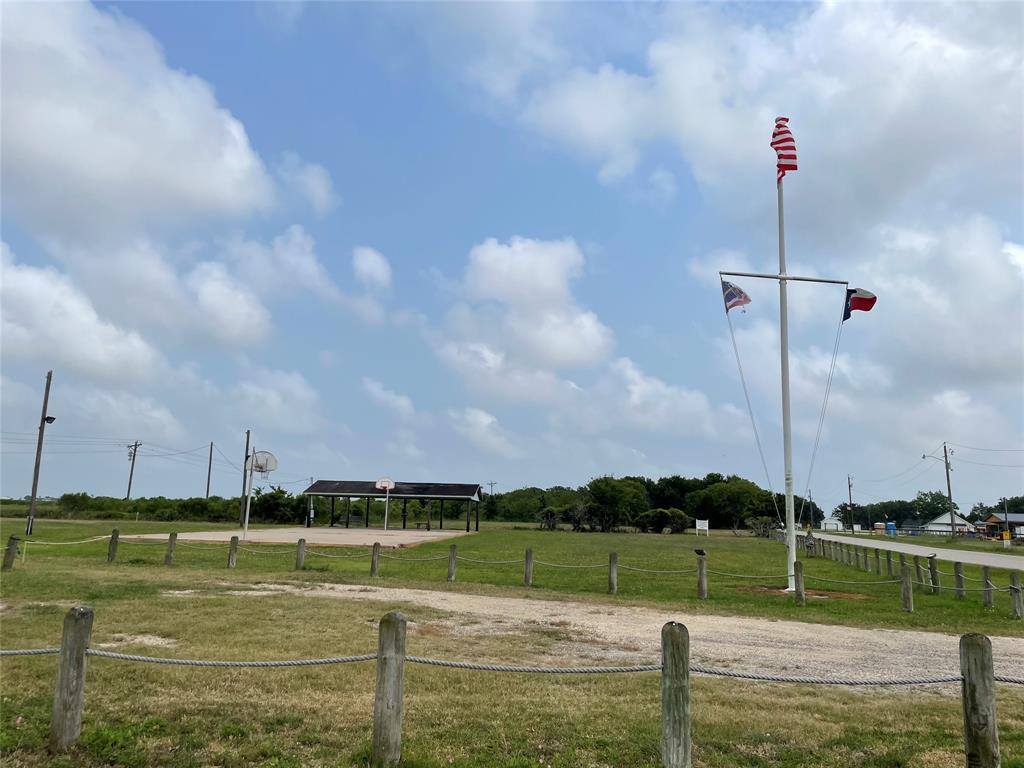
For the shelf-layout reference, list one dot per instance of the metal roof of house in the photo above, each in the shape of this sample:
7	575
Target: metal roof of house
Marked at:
1000	517
459	491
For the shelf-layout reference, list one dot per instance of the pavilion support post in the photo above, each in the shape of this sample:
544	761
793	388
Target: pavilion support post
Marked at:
348	510
429	506
469	509
333	500
367	511
440	516
477	525
405	512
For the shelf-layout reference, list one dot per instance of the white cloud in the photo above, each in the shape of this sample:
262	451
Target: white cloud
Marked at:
228	310
100	134
115	412
404	445
483	430
46	318
371	268
400	404
289	262
278	400
309	180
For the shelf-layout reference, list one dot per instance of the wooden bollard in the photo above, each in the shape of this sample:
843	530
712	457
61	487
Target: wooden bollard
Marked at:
958	580
69	691
386	747
702	577
613	572
112	545
452	555
172	542
1015	595
375	559
986	585
878	563
906	588
933	574
300	555
888	563
978	691
675	696
233	552
798	581
528	568
918	571
10	553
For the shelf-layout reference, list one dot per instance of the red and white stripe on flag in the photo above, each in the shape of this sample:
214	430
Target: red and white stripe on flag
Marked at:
785	147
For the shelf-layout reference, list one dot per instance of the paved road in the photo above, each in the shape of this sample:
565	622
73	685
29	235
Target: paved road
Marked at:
972	556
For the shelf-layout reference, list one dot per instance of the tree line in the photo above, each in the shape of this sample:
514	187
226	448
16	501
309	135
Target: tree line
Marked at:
923	508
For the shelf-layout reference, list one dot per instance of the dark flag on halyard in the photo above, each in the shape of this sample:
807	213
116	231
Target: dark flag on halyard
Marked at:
785	147
858	298
734	296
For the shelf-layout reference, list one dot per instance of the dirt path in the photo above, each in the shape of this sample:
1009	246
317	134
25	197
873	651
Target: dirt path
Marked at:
630	634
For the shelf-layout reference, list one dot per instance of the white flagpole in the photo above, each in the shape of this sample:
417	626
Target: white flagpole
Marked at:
787	436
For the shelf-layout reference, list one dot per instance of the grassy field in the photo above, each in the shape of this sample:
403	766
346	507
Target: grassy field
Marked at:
945	542
141	715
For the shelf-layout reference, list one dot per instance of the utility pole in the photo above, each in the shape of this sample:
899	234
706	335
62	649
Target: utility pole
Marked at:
43	421
491	484
209	470
241	512
133	450
849	490
949	491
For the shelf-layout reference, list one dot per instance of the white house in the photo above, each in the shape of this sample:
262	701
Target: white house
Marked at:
831	524
941	524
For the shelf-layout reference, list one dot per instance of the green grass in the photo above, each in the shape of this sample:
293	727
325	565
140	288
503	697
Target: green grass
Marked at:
858	604
944	542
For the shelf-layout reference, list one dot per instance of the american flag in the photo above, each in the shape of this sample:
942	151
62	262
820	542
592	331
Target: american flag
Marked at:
785	147
734	296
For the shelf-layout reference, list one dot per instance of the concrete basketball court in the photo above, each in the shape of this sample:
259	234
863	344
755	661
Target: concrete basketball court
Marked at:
318	535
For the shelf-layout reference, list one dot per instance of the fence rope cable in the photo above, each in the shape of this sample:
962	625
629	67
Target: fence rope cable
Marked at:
839	581
267	551
655	570
528	669
209	548
743	576
962	589
324	554
559	565
488	562
414	559
64	543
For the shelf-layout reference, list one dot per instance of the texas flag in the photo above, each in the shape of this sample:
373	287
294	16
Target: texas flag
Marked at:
858	298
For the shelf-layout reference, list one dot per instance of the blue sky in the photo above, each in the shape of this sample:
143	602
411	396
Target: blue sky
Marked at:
480	242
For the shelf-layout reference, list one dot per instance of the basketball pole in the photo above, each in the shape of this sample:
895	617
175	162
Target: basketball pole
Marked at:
248	493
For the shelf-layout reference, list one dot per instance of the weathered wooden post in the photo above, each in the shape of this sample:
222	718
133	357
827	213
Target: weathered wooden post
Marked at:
375	559
69	692
978	691
878	563
1015	594
888	562
675	696
10	553
112	546
933	573
528	568
233	552
798	580
172	542
452	557
958	580
702	577
986	585
906	588
613	572
918	571
386	747
300	555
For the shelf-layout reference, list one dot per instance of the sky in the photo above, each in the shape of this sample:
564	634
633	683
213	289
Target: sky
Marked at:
481	242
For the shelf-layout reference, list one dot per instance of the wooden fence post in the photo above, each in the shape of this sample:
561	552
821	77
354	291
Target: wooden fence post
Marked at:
702	577
1015	594
300	555
675	696
528	568
798	580
933	573
958	580
906	588
878	562
613	572
10	553
978	690
452	555
918	571
172	542
386	748
375	559
112	546
888	562
233	552
69	692
986	585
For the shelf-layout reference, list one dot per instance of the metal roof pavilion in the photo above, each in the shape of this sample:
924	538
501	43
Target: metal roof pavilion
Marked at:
469	493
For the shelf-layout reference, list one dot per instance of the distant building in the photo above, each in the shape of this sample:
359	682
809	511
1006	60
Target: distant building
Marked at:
941	524
996	522
831	524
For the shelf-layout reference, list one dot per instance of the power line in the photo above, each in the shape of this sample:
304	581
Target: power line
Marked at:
986	464
995	450
229	461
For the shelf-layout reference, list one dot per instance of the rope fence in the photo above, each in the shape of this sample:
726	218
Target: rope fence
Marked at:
976	676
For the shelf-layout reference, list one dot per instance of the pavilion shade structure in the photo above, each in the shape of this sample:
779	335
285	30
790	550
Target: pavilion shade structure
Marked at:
423	491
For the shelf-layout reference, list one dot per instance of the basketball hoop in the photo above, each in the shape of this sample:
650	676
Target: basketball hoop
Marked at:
386	484
263	462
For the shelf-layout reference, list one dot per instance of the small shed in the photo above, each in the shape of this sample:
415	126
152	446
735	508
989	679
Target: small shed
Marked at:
941	524
1000	521
367	490
831	524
